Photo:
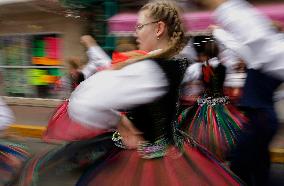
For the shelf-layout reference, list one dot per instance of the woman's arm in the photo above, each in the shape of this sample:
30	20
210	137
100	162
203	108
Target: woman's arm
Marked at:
193	72
96	100
97	58
232	47
255	31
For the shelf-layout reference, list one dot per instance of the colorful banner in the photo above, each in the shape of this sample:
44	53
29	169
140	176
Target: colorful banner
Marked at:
42	76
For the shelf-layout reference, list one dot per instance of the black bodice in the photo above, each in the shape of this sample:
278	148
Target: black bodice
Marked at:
213	80
155	119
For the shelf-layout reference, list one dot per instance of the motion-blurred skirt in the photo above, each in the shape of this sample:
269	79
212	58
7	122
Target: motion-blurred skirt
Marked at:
12	158
62	128
214	123
152	164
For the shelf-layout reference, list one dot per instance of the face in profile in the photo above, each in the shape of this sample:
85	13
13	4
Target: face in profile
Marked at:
145	32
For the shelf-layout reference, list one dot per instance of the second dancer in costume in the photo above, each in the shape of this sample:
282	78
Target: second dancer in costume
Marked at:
213	121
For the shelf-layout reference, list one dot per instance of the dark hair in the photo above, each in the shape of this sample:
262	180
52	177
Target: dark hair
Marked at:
211	49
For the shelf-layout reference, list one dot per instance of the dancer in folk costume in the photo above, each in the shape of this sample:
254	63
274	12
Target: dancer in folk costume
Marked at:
212	121
146	149
12	155
262	49
60	126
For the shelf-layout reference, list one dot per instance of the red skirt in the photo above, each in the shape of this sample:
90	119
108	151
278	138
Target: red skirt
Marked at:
177	168
62	128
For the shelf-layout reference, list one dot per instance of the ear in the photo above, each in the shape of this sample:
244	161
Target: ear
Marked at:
161	28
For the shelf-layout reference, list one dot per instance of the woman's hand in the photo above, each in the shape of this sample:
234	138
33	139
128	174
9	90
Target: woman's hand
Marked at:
131	136
88	41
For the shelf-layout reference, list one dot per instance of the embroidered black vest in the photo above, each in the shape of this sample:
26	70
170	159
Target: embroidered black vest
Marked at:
155	119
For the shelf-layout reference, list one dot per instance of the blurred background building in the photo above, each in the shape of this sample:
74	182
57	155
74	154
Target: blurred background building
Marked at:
37	36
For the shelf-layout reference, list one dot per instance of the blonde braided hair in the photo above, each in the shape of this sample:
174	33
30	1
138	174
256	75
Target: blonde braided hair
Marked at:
168	12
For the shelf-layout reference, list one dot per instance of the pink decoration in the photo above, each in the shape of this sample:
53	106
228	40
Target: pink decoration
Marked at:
196	21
